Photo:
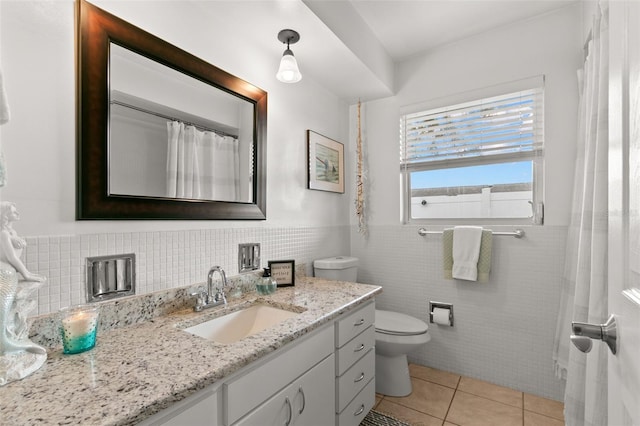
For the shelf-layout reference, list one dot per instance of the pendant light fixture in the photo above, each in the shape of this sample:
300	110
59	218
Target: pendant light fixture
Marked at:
288	71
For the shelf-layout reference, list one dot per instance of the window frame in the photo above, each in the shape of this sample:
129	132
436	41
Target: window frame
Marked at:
535	156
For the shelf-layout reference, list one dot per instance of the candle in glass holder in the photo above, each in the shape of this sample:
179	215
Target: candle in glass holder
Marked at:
78	327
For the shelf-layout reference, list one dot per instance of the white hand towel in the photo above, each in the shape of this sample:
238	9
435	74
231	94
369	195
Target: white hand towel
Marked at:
4	105
466	251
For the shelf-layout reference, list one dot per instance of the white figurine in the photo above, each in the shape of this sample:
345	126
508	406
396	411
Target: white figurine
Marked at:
11	245
19	356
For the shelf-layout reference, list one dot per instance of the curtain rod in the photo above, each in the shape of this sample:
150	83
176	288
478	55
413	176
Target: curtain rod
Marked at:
166	117
518	233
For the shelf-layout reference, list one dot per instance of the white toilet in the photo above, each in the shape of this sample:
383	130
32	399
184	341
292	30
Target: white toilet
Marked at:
396	334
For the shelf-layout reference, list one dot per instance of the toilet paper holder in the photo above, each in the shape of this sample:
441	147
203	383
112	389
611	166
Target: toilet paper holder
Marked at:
449	306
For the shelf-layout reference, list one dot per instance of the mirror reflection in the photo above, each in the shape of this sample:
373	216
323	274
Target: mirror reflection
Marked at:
163	134
173	136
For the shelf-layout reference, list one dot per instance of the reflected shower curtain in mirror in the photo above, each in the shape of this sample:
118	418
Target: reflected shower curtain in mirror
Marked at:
182	161
201	164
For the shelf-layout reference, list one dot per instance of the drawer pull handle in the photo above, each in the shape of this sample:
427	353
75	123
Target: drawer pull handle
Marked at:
359	379
304	399
359	323
286	400
360	411
361	347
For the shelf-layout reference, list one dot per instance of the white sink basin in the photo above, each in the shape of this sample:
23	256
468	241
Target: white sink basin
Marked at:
240	324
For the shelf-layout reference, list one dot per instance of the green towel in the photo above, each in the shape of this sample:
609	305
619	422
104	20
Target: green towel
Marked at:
484	260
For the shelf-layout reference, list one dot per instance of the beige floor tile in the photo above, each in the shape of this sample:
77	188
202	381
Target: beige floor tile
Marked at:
429	398
378	399
429	374
534	419
545	406
407	415
468	409
491	391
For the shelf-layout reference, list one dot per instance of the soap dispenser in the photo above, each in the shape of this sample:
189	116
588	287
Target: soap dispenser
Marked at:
266	284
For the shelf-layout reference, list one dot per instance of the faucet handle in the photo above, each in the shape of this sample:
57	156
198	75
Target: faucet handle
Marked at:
201	298
219	296
198	293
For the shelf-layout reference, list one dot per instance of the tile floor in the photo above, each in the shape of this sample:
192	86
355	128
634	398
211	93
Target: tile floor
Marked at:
442	398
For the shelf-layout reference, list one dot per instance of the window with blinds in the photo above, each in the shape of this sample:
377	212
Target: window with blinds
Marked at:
479	159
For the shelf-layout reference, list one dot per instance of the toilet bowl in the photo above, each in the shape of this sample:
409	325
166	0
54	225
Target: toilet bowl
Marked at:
396	334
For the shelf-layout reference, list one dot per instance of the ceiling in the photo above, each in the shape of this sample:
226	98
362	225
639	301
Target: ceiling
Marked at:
351	47
409	27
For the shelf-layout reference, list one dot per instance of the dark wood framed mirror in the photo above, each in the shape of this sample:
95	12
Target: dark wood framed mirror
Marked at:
113	99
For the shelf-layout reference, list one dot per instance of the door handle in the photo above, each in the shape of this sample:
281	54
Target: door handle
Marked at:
304	399
583	333
286	401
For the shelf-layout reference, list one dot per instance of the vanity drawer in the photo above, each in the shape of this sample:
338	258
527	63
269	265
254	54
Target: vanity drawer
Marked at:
356	411
251	389
354	380
355	349
355	323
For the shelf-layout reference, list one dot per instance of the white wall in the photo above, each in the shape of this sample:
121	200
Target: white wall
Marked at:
37	58
504	328
37	51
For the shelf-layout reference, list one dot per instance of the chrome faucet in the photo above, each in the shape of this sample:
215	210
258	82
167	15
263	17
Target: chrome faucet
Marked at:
214	296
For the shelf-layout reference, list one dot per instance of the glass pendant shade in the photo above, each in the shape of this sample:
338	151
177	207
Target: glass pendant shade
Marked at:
288	71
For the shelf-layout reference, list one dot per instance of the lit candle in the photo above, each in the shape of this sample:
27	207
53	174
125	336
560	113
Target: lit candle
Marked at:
78	326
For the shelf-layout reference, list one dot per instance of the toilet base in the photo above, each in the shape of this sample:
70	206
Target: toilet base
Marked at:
392	375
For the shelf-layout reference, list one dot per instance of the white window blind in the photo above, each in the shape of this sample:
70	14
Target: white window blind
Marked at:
508	125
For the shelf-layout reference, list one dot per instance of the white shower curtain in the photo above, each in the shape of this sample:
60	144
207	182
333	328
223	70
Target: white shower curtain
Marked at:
584	284
219	167
182	161
201	165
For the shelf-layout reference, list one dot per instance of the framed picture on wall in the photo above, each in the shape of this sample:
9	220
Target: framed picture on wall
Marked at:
284	272
325	169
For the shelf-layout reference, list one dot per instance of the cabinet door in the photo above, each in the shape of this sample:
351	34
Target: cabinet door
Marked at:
314	401
261	381
309	400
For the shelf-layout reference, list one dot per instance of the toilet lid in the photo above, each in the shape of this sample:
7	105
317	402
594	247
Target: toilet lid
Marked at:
395	323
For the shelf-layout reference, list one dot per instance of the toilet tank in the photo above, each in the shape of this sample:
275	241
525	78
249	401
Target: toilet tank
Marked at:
339	268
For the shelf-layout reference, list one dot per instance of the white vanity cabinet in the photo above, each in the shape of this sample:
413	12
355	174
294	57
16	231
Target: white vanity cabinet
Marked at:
325	377
355	365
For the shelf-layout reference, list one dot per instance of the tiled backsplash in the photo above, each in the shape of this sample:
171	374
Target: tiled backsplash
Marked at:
503	331
168	259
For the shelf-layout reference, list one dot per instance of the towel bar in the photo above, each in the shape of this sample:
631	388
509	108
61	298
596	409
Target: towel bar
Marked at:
518	233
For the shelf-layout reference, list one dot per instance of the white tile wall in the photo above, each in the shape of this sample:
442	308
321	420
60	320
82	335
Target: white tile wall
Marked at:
504	329
168	259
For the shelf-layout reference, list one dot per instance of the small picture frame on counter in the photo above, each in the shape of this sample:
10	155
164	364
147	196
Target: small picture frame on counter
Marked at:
284	272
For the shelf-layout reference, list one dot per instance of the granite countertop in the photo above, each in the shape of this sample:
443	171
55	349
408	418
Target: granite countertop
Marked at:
140	369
